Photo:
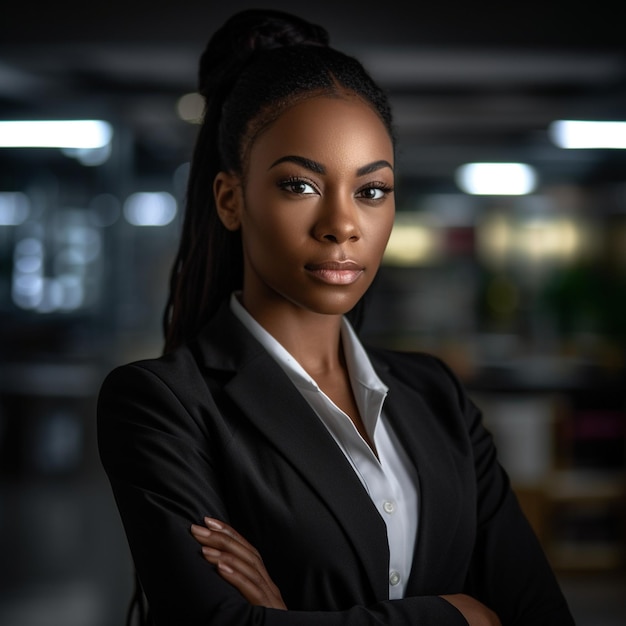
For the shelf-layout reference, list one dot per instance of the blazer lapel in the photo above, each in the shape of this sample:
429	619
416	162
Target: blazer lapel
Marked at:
429	449
267	397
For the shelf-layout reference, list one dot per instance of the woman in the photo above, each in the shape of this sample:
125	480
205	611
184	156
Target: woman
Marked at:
268	469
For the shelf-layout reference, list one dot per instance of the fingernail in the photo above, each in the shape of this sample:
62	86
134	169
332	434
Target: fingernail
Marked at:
224	568
211	523
210	551
200	530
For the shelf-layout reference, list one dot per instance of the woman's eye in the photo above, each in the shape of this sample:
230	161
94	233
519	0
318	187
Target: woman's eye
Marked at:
374	193
297	186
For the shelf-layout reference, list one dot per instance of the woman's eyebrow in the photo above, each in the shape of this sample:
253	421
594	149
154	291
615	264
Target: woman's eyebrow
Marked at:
309	164
373	167
318	168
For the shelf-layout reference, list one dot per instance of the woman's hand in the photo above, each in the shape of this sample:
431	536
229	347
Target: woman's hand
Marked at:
238	563
475	612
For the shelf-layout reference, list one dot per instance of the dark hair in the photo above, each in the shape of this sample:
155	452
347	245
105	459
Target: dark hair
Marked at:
258	64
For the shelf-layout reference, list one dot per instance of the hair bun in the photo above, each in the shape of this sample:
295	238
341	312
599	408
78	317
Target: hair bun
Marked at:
246	32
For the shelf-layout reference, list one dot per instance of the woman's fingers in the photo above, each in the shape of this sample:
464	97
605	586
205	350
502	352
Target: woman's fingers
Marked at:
225	539
238	562
230	532
249	581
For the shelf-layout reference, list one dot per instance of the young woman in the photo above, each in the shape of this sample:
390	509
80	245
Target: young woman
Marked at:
268	468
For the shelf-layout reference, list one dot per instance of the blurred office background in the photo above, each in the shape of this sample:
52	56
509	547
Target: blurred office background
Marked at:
521	288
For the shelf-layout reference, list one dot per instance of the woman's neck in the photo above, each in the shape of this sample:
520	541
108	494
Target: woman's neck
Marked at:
313	339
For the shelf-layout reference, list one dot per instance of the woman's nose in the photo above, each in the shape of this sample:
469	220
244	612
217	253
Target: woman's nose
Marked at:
337	222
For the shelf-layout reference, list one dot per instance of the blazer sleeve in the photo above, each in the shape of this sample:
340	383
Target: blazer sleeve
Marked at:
155	445
508	571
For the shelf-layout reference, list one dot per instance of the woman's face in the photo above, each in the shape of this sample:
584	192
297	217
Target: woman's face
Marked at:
318	207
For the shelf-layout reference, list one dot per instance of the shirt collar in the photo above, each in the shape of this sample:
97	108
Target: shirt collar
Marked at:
361	371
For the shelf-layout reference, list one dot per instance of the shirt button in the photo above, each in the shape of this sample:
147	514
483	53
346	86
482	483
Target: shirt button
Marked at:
394	578
389	506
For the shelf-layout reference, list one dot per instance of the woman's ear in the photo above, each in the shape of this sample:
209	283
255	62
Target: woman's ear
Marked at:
227	191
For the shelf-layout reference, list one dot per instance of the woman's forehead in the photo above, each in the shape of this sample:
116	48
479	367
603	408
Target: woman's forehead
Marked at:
323	123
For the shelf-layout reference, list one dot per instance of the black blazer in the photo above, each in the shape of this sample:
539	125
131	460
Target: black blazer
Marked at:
216	428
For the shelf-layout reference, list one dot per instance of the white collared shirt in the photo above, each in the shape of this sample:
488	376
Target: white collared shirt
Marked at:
391	479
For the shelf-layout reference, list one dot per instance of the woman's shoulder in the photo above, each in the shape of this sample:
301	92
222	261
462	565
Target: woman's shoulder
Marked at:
416	362
177	370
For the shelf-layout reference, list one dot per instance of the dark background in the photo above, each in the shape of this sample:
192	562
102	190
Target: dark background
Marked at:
533	320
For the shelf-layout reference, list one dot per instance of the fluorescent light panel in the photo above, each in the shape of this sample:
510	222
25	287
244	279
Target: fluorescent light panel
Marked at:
496	179
75	134
150	208
579	134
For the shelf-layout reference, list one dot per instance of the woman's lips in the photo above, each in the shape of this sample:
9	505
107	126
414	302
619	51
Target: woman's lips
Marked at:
335	272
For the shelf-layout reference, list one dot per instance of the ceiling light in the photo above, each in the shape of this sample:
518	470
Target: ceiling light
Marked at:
150	208
190	108
75	134
496	179
14	208
588	134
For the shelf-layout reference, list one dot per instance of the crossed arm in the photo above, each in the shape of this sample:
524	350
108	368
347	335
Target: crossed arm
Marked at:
240	564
